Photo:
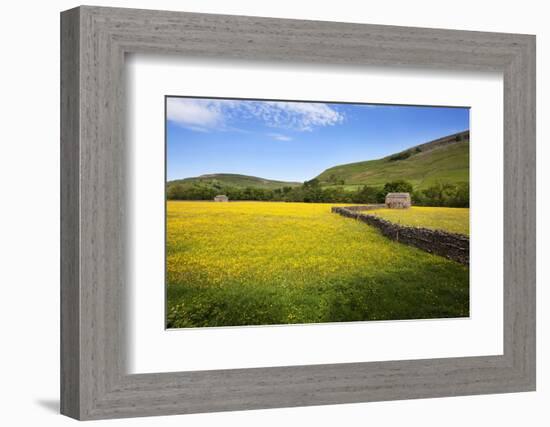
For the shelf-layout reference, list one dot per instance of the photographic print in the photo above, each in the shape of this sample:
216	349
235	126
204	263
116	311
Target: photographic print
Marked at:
292	212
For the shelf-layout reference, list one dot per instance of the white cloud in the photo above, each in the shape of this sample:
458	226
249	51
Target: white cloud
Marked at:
300	116
196	114
205	114
279	137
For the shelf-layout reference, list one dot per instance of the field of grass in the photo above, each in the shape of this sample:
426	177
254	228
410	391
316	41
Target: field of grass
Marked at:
442	164
256	263
454	220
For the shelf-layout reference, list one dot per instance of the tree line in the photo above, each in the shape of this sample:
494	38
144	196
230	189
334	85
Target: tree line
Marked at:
439	194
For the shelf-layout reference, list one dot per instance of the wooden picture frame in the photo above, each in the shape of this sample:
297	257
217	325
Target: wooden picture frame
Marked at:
94	382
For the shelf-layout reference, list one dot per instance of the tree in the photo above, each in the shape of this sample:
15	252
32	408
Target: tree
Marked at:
462	195
437	194
399	186
336	195
175	192
366	194
312	191
445	194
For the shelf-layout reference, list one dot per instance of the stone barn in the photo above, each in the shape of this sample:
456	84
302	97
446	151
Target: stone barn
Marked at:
398	200
221	198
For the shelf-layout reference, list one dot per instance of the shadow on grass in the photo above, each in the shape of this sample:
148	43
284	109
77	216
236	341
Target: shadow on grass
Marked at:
428	291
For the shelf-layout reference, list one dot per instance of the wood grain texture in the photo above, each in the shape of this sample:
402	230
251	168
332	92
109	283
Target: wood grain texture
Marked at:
94	382
70	220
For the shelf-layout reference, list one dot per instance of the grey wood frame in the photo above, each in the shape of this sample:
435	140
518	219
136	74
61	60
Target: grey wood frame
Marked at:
94	41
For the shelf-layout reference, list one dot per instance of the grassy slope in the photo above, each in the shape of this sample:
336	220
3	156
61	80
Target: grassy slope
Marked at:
448	163
434	163
253	263
234	180
454	220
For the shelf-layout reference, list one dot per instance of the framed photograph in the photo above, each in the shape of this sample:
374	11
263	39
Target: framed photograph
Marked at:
262	213
271	251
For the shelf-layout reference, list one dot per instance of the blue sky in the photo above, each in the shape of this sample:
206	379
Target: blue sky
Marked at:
293	141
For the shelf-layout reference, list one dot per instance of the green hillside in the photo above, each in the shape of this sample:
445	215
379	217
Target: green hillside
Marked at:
442	160
222	180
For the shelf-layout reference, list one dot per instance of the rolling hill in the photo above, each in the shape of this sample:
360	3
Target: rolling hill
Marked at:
442	160
221	180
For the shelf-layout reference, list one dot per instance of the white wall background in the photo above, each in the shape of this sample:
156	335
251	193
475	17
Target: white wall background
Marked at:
29	212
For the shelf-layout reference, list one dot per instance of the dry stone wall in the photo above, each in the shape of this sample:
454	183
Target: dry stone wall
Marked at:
362	207
449	245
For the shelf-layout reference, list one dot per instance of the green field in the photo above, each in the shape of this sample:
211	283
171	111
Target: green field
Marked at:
449	163
257	263
454	220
